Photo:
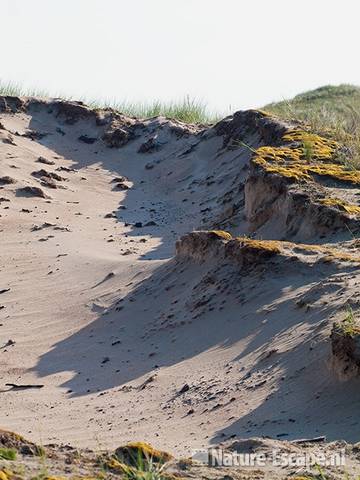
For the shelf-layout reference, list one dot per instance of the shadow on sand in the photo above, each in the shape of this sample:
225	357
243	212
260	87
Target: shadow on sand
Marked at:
141	202
136	336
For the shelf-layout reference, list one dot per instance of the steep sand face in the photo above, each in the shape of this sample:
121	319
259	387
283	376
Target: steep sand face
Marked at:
129	341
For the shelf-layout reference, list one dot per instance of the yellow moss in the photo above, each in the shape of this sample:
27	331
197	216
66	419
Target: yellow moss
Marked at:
264	113
272	160
303	155
221	234
55	477
336	171
321	148
341	204
52	477
330	253
267	245
12	435
130	453
119	467
277	246
344	257
270	247
6	474
136	458
300	478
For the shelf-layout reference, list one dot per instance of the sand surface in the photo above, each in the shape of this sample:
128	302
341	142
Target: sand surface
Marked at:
100	313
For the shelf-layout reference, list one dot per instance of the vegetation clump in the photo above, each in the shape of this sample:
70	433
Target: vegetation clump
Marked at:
279	246
270	246
349	326
5	474
12	441
221	234
139	460
341	205
320	148
198	243
130	453
188	110
333	110
303	155
8	453
345	344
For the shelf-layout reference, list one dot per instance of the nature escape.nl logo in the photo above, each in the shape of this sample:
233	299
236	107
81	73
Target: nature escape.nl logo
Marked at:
217	457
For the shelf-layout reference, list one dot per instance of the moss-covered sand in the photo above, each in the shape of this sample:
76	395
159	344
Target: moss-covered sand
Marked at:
304	155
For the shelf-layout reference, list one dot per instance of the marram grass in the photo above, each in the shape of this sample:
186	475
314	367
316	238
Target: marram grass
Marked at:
331	111
188	110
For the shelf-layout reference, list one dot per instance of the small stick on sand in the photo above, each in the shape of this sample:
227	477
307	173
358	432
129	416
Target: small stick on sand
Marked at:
14	386
310	440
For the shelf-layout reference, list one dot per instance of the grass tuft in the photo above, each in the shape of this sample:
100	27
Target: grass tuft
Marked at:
8	453
349	325
187	110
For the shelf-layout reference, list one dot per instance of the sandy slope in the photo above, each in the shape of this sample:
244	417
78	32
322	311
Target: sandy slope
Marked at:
113	326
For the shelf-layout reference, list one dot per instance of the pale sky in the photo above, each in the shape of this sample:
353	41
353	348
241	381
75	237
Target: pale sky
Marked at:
238	53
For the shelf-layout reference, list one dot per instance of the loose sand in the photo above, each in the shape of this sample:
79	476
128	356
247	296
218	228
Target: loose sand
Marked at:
130	343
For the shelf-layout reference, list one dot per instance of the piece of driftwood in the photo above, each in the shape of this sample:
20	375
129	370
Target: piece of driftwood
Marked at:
310	440
15	386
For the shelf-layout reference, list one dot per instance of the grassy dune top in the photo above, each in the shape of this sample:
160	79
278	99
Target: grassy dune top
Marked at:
328	110
331	111
188	110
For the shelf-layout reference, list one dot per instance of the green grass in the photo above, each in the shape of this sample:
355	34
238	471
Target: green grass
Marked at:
329	110
16	90
8	453
146	470
188	110
139	466
349	324
308	148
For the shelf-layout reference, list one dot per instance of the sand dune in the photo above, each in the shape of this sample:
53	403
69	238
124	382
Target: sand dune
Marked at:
132	339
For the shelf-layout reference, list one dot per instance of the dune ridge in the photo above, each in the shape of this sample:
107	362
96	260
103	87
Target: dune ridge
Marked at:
143	255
